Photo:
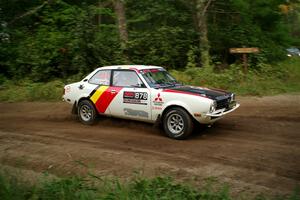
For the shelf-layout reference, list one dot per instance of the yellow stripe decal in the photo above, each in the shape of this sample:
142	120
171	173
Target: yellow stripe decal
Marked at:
98	93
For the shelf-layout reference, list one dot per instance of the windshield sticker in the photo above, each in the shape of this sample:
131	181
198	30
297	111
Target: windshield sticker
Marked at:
154	70
135	97
135	113
145	71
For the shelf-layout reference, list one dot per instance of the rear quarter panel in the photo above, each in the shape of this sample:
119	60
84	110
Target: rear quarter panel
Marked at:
74	94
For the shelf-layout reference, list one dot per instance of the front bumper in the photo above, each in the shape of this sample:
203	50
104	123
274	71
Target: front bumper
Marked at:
222	112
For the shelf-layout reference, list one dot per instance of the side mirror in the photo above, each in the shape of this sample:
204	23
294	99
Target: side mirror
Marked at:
142	85
85	80
139	85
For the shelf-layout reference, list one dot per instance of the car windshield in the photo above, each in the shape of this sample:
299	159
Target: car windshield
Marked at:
293	50
159	78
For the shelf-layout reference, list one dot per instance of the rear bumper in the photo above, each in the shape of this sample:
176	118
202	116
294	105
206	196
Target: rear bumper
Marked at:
222	112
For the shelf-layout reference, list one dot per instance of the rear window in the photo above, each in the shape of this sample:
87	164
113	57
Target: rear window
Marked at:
102	77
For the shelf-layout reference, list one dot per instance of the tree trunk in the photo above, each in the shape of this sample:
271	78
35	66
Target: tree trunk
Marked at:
99	17
201	8
121	20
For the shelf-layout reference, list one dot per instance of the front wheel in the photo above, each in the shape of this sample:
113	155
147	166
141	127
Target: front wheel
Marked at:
177	123
86	112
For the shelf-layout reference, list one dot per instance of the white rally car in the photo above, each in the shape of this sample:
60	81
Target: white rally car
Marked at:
147	93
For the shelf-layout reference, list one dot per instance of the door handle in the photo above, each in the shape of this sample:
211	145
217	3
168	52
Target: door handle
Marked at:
113	91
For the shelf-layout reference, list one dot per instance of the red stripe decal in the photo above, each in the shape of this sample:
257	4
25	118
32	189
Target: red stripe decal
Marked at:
106	98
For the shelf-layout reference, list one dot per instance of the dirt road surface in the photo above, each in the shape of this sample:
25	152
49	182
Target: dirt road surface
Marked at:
255	149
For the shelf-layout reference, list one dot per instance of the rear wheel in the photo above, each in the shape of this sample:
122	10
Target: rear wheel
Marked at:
177	123
86	112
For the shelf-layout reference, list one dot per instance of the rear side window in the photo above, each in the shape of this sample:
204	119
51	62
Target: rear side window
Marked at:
102	77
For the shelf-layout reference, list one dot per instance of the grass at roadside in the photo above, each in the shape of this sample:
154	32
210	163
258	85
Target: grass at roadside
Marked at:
263	80
94	187
13	91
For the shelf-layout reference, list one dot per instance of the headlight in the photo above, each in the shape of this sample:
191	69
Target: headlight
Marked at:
213	107
232	97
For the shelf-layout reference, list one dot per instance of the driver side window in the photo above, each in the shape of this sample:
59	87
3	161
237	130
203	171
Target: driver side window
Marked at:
126	79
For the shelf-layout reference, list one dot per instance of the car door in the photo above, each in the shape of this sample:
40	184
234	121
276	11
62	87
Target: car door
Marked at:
133	98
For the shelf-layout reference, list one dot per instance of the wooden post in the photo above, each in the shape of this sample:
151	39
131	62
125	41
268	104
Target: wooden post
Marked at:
244	51
245	63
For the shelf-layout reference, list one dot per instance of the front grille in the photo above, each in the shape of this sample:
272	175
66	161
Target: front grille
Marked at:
224	103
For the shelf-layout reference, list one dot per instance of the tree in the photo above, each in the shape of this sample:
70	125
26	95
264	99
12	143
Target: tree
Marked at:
161	32
121	20
58	38
119	7
251	23
201	23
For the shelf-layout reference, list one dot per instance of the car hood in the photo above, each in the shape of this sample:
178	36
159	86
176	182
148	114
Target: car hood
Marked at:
214	94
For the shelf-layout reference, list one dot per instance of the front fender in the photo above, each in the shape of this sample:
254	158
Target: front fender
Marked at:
178	103
196	106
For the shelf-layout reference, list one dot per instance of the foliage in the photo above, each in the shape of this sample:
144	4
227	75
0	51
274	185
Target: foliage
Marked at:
13	91
264	79
161	32
64	44
252	23
46	40
109	189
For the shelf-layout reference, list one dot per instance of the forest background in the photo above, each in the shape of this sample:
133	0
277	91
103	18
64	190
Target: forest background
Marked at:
45	44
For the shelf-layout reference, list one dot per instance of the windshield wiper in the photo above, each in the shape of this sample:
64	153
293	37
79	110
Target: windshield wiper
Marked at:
162	84
173	84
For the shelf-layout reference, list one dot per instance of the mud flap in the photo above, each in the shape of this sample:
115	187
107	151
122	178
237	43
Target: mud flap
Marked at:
157	122
74	109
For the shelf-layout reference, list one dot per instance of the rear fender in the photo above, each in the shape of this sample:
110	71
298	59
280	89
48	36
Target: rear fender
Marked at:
80	98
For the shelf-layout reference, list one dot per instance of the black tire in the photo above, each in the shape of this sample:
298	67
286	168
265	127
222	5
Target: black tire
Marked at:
177	123
86	112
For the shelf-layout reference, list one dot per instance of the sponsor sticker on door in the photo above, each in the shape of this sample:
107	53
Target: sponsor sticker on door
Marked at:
135	97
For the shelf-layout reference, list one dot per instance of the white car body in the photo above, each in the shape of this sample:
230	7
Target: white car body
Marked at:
143	101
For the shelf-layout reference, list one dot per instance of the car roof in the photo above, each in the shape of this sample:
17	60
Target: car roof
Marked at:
137	67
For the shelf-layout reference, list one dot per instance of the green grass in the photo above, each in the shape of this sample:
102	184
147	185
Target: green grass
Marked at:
265	79
13	91
93	187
